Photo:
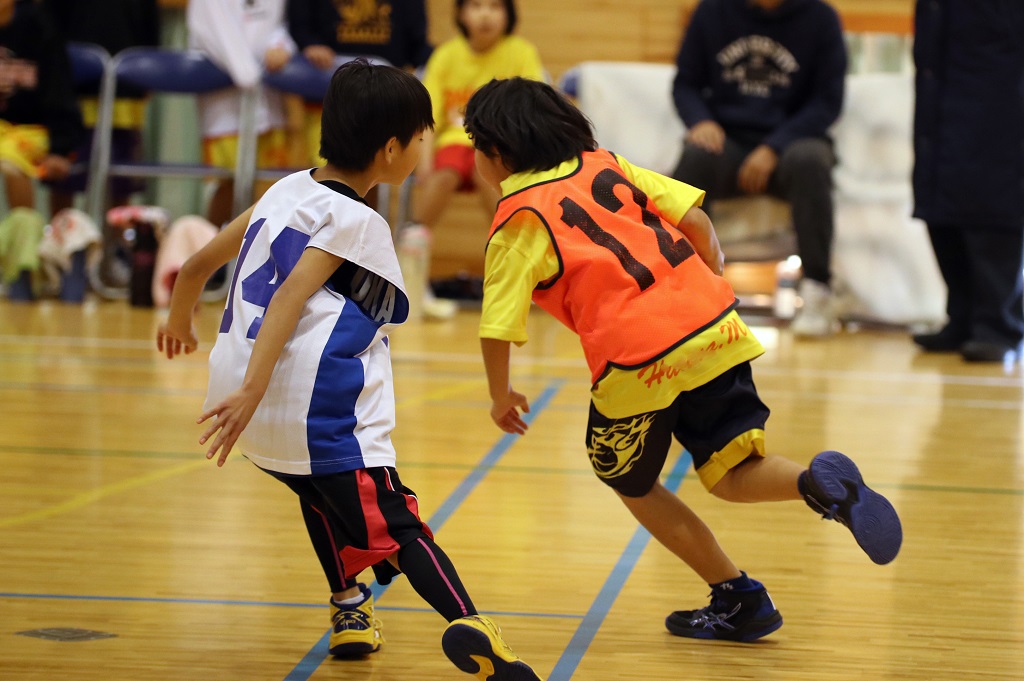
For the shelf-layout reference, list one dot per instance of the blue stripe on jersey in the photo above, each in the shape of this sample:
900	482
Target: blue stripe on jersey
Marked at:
331	420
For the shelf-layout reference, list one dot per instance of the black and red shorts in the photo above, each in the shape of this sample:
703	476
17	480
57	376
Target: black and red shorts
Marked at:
371	514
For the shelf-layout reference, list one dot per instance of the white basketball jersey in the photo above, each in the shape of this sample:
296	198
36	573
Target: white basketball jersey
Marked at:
330	405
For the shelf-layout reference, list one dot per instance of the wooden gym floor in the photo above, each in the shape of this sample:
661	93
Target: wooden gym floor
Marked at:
136	559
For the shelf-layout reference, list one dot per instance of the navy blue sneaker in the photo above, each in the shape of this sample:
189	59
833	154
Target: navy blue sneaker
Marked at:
732	616
836	490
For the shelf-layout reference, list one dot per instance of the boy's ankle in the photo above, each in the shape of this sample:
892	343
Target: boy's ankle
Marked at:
737	585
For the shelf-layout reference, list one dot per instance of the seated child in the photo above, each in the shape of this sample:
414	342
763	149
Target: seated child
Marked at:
485	49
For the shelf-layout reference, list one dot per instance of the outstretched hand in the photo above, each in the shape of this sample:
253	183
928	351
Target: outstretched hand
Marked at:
230	417
505	412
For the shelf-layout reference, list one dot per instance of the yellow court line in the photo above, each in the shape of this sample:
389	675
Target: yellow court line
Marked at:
94	495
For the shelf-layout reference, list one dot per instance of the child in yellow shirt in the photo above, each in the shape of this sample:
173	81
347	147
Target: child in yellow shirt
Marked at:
486	49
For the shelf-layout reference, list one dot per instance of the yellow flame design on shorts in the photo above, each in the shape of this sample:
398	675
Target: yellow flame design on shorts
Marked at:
615	449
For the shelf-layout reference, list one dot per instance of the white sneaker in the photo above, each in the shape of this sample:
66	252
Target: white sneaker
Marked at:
438	309
816	316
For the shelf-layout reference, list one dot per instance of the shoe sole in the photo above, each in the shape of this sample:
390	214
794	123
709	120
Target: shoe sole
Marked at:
869	516
774	623
470	650
353	649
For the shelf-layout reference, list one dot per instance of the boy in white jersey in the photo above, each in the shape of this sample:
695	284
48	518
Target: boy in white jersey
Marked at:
300	375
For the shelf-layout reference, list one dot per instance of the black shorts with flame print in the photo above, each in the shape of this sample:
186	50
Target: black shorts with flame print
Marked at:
721	424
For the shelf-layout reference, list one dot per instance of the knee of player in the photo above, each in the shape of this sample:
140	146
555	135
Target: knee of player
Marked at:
725	489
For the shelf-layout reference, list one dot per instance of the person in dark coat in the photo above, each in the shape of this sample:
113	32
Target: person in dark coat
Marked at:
758	85
969	169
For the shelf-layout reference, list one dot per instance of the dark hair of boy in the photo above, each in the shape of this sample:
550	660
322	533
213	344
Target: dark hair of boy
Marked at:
510	12
528	124
365	106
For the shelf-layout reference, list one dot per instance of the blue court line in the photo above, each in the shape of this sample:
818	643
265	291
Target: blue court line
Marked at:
588	628
254	603
144	599
319	652
258	604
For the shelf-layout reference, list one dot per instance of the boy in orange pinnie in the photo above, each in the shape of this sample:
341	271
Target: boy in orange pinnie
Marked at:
625	258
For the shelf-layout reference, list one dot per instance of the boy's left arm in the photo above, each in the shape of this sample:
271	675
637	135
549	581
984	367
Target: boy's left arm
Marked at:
679	203
697	227
825	103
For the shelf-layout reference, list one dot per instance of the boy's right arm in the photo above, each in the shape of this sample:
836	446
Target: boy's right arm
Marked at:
177	334
518	257
231	415
505	402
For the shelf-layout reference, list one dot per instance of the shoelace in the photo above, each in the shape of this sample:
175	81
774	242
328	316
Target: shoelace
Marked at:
496	630
347	619
709	619
378	629
827	512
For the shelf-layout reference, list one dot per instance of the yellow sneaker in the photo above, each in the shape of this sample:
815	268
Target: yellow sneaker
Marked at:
475	646
354	629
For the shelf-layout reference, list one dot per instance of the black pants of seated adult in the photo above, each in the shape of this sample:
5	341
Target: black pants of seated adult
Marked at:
803	178
982	269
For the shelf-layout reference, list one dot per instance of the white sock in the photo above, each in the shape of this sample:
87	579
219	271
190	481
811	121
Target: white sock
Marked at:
355	600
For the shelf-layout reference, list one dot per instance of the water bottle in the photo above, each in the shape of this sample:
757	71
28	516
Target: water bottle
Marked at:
144	247
787	277
414	259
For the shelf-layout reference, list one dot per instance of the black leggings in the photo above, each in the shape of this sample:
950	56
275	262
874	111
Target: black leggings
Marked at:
430	571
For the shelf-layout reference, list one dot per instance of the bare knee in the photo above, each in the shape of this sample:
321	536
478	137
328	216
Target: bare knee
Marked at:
724	488
19	186
732	487
442	181
434	194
